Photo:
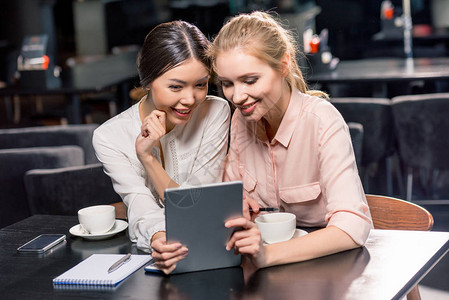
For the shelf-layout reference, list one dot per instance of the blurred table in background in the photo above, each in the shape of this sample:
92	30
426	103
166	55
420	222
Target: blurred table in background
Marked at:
379	72
118	70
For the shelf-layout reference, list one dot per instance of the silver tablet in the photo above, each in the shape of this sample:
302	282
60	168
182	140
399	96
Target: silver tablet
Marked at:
195	216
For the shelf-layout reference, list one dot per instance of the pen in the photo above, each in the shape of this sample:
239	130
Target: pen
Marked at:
120	262
265	209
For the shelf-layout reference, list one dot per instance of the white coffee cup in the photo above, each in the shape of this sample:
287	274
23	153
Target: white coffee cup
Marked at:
276	227
97	219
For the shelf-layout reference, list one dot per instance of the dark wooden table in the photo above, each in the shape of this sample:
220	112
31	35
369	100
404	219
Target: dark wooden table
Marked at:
386	268
92	77
382	71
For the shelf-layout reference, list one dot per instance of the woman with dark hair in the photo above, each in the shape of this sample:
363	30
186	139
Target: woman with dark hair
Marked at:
175	135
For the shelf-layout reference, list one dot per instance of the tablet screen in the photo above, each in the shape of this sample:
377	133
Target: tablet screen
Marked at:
195	216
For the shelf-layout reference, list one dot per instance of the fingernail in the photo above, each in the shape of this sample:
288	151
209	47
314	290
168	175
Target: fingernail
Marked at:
226	225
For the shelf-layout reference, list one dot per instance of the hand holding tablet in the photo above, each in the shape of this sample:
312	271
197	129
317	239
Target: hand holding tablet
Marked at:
195	217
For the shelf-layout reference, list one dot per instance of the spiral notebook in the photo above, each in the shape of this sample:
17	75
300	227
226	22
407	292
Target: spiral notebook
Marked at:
94	270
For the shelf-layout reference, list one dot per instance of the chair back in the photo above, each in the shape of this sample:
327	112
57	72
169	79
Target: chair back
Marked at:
396	214
356	131
375	116
14	163
422	127
46	136
64	191
120	210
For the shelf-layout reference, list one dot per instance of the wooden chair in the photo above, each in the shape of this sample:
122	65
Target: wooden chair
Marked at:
120	210
137	93
396	214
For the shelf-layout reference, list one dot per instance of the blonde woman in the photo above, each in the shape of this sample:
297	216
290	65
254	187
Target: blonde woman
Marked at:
289	146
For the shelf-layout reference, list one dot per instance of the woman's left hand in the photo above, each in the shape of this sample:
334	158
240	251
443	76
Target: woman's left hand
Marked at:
247	241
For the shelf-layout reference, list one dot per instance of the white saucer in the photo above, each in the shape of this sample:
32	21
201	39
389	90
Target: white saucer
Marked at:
298	233
119	226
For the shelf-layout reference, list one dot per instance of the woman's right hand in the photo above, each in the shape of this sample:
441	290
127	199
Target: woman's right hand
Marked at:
152	129
166	255
249	203
247	241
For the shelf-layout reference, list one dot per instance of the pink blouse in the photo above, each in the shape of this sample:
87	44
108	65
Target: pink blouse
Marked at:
308	168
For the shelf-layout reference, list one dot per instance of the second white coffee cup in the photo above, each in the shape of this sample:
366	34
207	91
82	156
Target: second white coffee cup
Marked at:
97	219
276	227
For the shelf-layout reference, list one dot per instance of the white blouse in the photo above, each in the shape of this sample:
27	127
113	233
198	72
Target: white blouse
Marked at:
193	152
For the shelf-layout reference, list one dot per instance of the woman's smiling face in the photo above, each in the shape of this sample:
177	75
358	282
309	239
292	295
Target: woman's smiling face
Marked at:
250	83
180	90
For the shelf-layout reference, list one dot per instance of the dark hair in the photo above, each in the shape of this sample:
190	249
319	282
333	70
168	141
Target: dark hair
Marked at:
168	45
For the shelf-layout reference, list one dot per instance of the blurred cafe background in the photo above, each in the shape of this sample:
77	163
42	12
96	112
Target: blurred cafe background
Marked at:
363	53
85	31
67	66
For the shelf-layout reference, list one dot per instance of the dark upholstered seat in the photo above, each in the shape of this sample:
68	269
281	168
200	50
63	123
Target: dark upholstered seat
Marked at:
378	135
356	131
422	129
45	136
13	165
64	191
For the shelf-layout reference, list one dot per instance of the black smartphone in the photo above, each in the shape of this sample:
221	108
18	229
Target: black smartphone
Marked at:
42	243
